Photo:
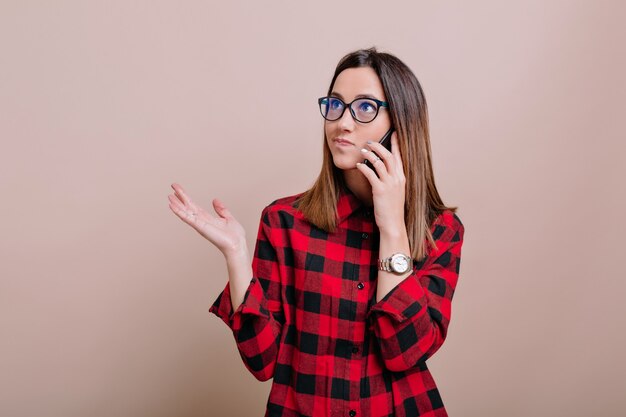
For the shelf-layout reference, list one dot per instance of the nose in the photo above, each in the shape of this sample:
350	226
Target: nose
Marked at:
346	122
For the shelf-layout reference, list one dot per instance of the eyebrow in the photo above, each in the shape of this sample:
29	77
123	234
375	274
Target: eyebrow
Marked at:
334	93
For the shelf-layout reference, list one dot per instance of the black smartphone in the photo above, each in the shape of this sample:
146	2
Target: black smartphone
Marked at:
386	142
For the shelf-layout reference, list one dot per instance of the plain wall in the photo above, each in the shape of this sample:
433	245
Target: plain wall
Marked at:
104	292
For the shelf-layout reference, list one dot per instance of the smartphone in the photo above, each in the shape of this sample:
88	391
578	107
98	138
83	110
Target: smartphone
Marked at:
386	142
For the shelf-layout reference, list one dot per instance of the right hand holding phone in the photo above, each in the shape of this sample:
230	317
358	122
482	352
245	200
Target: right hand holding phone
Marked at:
386	142
224	231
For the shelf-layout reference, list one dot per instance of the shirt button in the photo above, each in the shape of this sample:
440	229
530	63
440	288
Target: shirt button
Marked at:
355	349
360	285
364	235
352	413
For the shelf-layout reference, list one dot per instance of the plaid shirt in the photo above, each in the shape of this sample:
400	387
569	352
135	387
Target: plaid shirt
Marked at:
310	320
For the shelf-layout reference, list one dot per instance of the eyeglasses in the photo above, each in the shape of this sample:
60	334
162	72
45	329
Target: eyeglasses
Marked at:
363	110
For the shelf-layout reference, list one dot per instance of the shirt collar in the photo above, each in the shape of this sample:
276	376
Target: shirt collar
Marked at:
348	203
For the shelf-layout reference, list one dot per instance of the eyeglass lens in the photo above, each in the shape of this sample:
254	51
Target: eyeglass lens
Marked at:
364	110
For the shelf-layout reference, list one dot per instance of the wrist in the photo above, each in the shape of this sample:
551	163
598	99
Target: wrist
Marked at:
394	233
393	241
237	253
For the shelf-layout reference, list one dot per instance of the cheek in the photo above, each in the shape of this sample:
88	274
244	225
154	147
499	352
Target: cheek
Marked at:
379	129
327	129
330	133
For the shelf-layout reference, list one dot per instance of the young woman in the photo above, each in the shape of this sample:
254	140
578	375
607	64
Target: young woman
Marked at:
351	282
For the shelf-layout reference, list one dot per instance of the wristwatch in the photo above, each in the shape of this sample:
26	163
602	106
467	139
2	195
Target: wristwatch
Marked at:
398	263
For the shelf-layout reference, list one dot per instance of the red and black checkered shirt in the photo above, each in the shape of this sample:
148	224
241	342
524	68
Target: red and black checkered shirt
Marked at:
310	320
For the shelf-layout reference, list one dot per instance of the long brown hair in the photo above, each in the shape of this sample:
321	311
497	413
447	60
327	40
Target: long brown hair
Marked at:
409	116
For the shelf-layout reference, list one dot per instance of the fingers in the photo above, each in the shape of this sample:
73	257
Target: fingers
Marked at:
185	208
395	150
368	172
175	203
181	211
393	159
221	209
381	163
180	193
182	205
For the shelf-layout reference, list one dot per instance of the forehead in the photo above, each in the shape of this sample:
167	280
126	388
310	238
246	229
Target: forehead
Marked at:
358	81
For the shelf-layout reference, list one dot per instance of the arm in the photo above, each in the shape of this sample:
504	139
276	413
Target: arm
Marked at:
410	322
391	243
239	275
258	318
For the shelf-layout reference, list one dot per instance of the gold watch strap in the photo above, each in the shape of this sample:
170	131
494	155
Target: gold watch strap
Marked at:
385	263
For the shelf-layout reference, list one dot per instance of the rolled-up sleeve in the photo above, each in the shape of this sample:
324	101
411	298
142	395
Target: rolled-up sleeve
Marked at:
411	322
257	323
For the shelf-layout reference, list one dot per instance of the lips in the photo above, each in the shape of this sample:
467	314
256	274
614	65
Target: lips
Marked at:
341	140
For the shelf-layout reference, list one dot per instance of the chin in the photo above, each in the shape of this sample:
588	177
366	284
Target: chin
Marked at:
344	163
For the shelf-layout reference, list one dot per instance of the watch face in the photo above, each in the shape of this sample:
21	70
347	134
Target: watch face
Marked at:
400	264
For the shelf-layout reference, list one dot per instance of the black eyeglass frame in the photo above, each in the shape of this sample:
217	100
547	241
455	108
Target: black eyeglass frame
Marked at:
379	104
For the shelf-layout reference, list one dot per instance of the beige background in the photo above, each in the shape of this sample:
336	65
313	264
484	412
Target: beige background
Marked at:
104	292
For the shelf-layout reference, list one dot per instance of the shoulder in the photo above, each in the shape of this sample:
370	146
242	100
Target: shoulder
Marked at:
281	212
448	226
286	202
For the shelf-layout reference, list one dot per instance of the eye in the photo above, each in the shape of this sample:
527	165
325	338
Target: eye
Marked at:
335	103
366	106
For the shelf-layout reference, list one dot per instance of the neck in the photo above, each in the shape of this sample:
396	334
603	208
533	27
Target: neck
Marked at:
359	185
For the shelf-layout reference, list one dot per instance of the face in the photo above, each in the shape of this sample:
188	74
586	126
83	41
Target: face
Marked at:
348	85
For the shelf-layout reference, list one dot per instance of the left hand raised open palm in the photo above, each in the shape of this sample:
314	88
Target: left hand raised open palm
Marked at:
388	188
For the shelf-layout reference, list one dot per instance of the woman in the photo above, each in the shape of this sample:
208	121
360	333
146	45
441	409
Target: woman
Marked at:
351	282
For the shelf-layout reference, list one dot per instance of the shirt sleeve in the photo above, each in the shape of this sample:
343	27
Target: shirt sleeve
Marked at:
411	322
257	323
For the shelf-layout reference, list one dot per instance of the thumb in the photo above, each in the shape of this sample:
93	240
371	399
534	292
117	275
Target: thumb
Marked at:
221	209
